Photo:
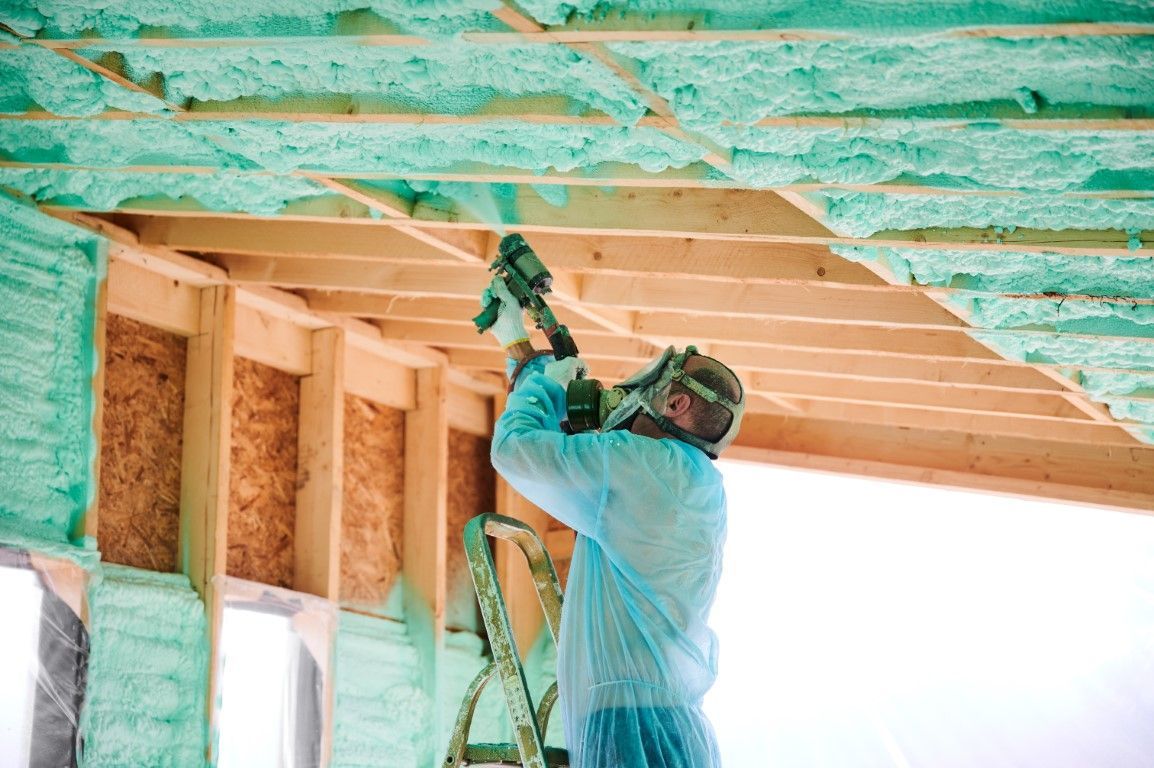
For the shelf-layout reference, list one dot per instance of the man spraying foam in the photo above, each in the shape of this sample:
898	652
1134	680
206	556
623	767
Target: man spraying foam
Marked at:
635	655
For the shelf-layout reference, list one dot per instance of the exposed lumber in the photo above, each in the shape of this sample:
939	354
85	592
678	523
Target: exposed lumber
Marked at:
274	341
560	544
704	214
814	303
380	380
469	411
930	396
153	299
271	238
466	337
1118	477
320	468
912	416
425	549
206	440
521	602
1091	466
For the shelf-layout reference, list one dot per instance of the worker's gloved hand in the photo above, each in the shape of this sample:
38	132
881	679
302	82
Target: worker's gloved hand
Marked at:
565	371
510	326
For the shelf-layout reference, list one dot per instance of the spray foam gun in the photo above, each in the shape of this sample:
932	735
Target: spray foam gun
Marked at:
528	280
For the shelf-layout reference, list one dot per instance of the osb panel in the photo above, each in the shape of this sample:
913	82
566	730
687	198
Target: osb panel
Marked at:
262	483
139	514
472	491
372	515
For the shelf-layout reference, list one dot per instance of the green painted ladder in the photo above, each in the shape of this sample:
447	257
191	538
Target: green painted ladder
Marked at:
528	728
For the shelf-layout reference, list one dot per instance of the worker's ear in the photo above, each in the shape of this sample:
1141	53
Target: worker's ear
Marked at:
677	405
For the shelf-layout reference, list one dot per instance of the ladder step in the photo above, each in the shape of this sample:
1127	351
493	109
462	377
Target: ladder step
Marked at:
478	755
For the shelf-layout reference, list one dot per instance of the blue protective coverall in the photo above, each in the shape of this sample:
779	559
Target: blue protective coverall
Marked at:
636	656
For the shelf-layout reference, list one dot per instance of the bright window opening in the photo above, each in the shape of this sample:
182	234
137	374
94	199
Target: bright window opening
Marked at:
19	662
257	653
867	623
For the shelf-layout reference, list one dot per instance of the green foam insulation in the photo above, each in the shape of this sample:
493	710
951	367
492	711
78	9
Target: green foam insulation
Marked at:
283	146
975	156
464	656
33	76
209	18
710	83
1066	332
106	190
861	15
49	276
381	714
111	144
444	78
857	214
147	672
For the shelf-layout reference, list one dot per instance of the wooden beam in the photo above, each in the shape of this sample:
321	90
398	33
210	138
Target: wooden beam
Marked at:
1113	472
839	305
206	440
970	422
705	214
206	462
801	335
320	469
153	299
380	380
462	336
470	411
561	543
973	399
426	530
274	341
521	602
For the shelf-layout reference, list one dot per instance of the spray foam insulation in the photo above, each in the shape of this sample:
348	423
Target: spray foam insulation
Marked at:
263	476
140	449
147	671
381	714
472	491
372	513
49	273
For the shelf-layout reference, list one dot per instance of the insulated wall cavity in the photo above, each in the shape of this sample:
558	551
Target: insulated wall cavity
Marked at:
50	273
381	715
147	672
140	451
372	512
263	474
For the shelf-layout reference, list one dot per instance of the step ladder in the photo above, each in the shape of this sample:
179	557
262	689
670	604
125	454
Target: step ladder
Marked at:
529	725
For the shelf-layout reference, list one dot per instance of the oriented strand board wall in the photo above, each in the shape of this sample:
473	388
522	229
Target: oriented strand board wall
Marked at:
372	516
263	477
139	521
472	491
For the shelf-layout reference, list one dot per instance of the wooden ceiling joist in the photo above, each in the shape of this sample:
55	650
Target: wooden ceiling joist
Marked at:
700	214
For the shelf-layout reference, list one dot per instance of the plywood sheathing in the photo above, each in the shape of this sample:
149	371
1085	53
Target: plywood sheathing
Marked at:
472	491
372	516
140	450
262	487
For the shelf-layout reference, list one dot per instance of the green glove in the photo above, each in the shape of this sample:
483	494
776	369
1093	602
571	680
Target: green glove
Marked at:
510	326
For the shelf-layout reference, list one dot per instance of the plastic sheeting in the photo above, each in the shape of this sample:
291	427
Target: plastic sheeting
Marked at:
272	676
636	655
48	718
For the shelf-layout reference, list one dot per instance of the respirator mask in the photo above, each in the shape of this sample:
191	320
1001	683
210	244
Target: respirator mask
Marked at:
591	407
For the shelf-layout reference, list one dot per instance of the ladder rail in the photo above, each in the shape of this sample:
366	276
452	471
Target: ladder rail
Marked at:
529	727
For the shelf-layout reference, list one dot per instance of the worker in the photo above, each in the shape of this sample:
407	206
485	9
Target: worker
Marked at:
635	655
